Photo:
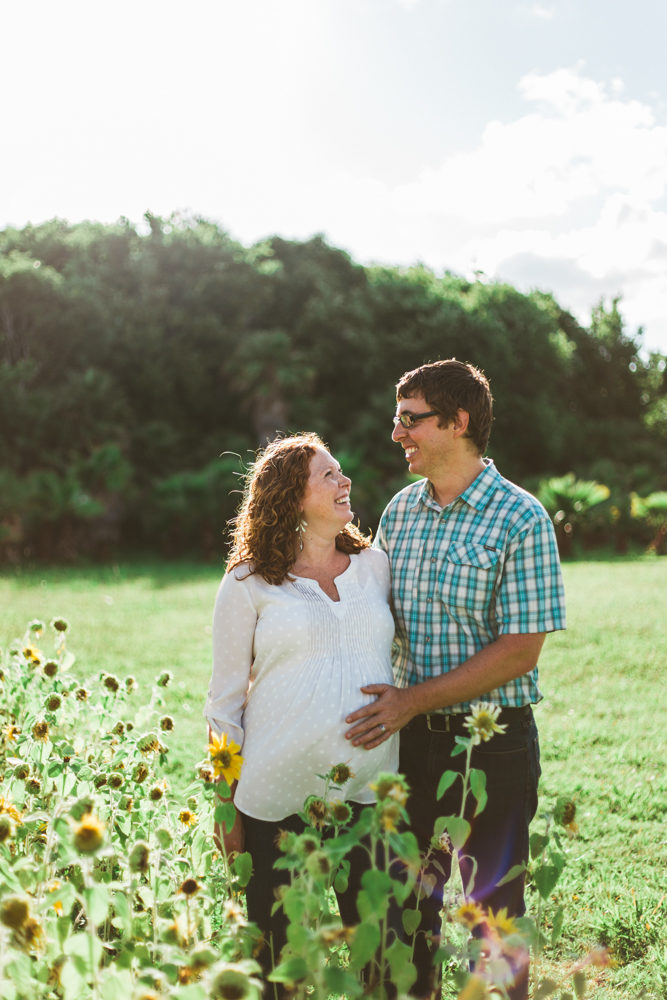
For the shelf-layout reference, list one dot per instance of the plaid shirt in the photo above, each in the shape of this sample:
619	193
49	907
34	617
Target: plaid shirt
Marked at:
485	565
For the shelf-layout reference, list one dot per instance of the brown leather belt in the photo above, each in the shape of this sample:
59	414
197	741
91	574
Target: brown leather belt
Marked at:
455	723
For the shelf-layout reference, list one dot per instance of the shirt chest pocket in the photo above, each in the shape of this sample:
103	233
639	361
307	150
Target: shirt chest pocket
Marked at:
469	575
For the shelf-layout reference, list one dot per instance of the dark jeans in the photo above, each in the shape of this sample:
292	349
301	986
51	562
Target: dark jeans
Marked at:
260	838
499	837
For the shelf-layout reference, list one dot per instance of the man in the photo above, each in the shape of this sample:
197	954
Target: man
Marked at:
476	585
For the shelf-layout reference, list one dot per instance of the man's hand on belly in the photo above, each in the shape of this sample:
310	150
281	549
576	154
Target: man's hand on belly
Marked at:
392	709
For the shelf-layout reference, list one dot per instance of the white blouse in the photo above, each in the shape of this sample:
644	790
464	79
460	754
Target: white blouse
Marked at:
288	663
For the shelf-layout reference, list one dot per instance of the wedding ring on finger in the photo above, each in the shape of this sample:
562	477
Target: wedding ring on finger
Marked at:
382	728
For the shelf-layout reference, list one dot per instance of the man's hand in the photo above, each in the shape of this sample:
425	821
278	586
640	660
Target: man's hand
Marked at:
393	709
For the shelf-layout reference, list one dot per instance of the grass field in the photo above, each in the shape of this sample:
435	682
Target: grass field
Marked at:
603	724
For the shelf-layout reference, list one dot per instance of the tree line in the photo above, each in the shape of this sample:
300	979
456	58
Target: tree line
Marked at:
140	371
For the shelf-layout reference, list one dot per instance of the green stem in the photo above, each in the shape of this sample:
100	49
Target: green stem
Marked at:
90	926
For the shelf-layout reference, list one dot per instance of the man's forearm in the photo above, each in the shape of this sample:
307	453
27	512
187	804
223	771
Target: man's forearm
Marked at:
509	657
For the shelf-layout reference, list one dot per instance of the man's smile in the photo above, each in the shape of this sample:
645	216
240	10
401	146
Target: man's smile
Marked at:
411	450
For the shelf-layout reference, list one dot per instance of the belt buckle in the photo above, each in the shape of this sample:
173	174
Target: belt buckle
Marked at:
430	728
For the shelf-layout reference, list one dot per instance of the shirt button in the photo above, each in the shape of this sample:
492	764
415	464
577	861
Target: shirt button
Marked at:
433	559
428	638
429	600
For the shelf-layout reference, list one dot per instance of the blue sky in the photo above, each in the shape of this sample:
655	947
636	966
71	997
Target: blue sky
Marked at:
524	140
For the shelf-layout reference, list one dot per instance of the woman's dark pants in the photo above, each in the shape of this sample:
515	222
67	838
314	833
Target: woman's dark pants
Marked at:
499	837
260	837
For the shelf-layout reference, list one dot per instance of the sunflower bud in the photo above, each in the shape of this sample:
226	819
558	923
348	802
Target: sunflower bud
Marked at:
51	668
53	702
82	694
116	780
131	684
231	983
111	682
100	781
341	773
156	793
164	837
22	771
166	724
59	624
165	679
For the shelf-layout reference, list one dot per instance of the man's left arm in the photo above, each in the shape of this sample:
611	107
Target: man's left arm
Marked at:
529	604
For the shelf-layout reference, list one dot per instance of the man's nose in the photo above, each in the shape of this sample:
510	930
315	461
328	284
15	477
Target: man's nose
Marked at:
398	432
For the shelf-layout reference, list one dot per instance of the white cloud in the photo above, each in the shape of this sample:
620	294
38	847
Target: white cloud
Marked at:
569	196
535	12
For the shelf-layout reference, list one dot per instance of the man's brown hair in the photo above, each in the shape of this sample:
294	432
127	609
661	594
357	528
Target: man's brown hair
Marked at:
450	386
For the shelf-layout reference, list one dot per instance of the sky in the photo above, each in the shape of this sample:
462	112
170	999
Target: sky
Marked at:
527	141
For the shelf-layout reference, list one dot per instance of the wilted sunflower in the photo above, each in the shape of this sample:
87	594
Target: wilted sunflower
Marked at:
50	668
100	781
340	812
140	773
341	773
148	743
166	724
565	814
53	702
119	729
111	682
231	983
189	887
116	780
89	834
131	684
21	771
11	732
205	772
33	786
82	694
482	722
40	731
391	786
7	827
165	679
126	802
390	816
36	627
470	915
187	817
59	624
14	912
225	757
318	864
139	857
156	793
317	811
285	841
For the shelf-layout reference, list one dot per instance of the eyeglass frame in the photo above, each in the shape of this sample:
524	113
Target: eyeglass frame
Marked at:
400	418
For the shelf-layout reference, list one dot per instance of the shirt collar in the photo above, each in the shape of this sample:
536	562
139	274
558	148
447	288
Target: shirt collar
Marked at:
478	495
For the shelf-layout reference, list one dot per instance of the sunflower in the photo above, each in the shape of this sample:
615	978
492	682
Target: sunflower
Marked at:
187	817
89	834
391	786
341	773
190	887
10	809
11	732
32	655
390	816
340	812
470	915
482	722
502	923
40	731
225	757
7	828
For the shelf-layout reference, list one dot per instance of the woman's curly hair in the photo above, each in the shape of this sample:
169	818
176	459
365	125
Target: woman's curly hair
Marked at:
265	527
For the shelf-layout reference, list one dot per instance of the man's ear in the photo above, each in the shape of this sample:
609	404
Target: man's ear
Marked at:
460	423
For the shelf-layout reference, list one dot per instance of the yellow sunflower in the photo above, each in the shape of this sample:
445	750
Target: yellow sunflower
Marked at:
6	806
482	722
225	757
502	923
470	915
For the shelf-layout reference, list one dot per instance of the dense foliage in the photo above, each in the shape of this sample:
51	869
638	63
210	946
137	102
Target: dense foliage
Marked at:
130	364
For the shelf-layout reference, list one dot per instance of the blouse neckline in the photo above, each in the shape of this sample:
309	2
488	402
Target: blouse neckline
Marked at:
337	579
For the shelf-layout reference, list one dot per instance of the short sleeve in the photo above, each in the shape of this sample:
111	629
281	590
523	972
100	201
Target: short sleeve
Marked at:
380	540
531	597
234	621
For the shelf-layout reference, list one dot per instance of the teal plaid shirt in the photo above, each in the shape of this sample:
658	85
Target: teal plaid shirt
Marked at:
484	566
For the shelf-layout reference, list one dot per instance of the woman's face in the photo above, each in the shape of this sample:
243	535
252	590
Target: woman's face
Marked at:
326	502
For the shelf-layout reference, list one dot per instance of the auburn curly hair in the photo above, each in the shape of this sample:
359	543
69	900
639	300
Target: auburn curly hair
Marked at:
265	527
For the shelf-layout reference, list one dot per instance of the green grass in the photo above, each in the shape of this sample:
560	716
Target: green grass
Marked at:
603	723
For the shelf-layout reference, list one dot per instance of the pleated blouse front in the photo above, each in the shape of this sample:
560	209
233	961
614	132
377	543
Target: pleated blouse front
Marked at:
288	665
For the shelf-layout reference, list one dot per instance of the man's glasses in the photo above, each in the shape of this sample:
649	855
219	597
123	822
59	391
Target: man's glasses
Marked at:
408	419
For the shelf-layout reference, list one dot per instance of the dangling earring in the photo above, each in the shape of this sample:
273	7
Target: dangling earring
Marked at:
300	528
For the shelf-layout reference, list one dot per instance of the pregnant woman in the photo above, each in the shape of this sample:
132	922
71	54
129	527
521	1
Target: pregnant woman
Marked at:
301	623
